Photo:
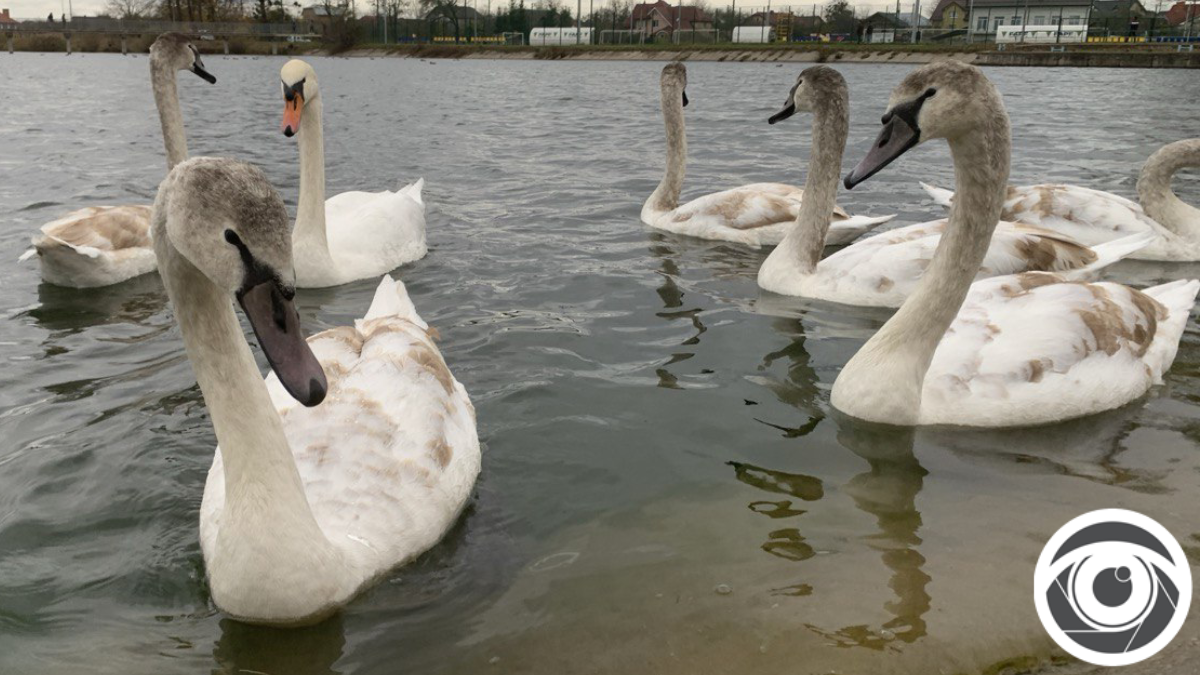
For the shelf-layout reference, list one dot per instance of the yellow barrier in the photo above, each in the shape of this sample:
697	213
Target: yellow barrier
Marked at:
476	40
1120	39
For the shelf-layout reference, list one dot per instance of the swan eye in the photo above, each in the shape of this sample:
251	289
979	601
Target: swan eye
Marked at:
930	92
231	237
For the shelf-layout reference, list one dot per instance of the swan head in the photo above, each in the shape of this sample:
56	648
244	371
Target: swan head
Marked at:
224	217
946	99
299	83
674	82
177	52
816	86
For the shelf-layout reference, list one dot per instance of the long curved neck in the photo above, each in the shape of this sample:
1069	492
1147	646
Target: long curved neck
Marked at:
666	196
166	98
265	505
309	235
1156	195
899	354
805	242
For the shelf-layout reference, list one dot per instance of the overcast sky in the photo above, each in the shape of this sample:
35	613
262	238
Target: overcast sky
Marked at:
38	9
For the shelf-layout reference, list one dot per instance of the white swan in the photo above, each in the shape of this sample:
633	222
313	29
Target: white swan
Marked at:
304	506
354	235
1014	350
103	245
758	214
884	269
1094	216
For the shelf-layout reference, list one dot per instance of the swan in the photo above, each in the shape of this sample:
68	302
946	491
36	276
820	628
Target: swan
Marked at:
1094	216
304	506
1012	350
757	214
884	269
368	233
104	245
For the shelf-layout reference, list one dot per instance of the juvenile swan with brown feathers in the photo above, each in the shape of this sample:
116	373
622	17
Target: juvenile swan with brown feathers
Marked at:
304	506
757	214
884	269
104	245
1011	350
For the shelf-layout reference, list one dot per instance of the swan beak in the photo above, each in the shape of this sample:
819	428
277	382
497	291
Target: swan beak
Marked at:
788	111
198	68
900	133
685	100
277	326
291	114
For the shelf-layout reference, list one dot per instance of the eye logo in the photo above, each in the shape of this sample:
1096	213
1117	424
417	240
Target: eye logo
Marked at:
1112	587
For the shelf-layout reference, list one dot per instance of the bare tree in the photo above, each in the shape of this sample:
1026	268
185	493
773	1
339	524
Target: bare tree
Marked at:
129	9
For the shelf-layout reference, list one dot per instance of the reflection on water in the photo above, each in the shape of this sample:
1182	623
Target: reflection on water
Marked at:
889	491
313	650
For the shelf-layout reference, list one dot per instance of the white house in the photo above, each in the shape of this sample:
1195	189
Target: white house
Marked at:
987	16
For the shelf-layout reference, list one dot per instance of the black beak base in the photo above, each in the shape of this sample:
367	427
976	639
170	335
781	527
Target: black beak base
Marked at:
277	326
204	74
788	111
685	99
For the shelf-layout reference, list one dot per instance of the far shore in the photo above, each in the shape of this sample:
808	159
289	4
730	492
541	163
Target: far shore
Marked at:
1071	55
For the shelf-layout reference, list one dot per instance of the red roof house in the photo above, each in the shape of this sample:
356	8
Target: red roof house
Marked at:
1178	13
5	19
661	19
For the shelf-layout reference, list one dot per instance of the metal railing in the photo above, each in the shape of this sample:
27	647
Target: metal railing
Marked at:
107	25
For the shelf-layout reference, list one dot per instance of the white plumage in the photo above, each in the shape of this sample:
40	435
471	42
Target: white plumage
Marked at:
884	269
389	459
1038	348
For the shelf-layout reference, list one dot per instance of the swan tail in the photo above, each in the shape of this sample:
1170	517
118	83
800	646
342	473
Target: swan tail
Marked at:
1110	252
940	196
27	255
414	190
50	245
865	223
1177	296
391	300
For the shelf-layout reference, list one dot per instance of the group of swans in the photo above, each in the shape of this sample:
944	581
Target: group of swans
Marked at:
359	450
350	237
998	323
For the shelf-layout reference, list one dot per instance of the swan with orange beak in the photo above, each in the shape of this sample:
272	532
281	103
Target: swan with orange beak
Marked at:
353	235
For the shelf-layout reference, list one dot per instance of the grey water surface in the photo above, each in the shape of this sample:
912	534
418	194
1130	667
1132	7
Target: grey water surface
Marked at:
665	487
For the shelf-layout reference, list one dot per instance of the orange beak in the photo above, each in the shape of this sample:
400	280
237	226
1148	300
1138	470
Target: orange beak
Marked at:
291	115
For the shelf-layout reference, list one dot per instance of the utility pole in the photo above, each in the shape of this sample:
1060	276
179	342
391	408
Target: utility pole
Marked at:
578	29
1025	21
971	21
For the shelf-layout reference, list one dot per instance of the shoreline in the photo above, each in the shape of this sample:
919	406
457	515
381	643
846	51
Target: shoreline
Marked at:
1074	56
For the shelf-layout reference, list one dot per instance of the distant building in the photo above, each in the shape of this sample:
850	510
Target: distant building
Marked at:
5	19
660	20
950	14
785	22
989	15
1181	12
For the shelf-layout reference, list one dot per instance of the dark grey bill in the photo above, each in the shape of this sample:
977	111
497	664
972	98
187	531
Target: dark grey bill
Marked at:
685	101
788	111
277	326
198	68
900	133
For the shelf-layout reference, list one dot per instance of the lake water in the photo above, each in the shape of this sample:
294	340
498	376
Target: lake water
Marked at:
665	487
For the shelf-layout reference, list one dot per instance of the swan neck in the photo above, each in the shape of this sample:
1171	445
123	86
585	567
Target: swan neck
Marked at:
310	215
166	99
1159	199
666	196
805	242
264	495
903	348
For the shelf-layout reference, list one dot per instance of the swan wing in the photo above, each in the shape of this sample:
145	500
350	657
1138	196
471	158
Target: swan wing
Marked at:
371	234
1034	348
389	459
101	228
883	270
